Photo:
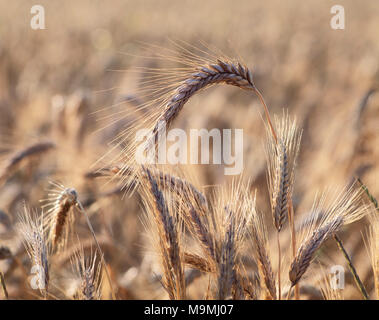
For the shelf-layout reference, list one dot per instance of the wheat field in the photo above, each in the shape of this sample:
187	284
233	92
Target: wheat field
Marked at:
81	218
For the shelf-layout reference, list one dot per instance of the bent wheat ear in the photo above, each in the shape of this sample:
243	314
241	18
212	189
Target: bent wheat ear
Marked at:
345	209
168	92
306	251
15	160
59	215
221	71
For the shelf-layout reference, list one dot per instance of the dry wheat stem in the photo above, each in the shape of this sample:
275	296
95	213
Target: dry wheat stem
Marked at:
352	269
3	285
65	201
282	184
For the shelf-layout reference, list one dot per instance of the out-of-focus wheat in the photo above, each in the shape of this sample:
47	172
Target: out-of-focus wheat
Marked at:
32	233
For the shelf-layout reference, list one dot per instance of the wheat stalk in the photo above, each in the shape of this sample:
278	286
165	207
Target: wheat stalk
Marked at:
170	90
59	221
183	188
306	251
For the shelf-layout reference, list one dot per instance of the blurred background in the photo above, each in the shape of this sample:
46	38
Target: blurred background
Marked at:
53	81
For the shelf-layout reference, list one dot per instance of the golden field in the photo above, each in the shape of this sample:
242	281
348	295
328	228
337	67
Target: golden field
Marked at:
80	83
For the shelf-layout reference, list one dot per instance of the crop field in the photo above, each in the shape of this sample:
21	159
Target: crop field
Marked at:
208	150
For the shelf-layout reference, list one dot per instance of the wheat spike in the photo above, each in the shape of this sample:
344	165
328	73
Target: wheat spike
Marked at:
18	157
259	237
60	215
168	233
345	208
32	233
88	270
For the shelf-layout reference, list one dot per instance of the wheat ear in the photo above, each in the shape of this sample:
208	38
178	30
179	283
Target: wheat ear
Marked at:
169	242
346	208
259	237
221	71
89	272
17	158
306	251
32	232
59	216
281	153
